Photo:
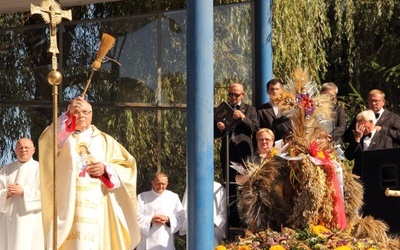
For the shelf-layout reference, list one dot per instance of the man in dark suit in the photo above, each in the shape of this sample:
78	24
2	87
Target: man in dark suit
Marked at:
365	137
388	123
240	140
268	114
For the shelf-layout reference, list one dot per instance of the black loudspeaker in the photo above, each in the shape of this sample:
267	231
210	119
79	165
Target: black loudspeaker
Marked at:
381	170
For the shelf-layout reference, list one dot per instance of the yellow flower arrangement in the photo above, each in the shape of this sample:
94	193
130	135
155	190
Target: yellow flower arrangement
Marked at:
277	247
314	237
220	247
343	248
319	230
272	153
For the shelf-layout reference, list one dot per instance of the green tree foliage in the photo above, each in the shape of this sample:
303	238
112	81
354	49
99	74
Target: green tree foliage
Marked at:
300	32
350	42
364	49
233	51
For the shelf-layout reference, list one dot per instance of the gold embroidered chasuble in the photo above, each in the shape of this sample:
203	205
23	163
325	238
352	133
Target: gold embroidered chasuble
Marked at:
90	216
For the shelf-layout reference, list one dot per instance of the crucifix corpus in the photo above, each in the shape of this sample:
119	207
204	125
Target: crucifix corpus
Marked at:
52	14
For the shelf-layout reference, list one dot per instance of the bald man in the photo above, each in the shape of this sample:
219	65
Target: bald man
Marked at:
240	140
20	209
96	195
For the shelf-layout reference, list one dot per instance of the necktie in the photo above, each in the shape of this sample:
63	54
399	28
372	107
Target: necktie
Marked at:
376	115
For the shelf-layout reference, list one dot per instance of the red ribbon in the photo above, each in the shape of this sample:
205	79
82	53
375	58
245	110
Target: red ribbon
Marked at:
337	195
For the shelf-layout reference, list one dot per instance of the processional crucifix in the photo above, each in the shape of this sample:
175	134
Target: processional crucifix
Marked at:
52	14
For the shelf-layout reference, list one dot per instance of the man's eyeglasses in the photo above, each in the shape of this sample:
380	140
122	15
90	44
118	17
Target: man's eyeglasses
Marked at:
375	100
85	112
267	140
234	94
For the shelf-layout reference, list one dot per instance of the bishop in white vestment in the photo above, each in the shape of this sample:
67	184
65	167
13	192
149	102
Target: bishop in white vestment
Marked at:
96	183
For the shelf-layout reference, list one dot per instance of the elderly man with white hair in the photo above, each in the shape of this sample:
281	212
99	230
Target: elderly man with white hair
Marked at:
365	137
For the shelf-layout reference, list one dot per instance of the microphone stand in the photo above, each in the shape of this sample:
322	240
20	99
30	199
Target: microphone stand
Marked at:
227	182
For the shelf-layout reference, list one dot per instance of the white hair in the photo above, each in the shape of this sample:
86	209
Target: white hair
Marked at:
367	115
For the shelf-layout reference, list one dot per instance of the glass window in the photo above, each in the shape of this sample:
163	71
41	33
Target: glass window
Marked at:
139	93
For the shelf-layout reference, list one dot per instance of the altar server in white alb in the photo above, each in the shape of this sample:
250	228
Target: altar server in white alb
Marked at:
160	214
20	208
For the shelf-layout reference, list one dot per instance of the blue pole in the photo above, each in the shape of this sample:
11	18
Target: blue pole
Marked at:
263	49
200	121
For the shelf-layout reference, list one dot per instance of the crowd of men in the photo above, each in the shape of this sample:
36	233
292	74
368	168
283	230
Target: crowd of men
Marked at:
375	128
97	204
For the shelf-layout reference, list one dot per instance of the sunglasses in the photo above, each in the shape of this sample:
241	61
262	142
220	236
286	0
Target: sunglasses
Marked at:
234	94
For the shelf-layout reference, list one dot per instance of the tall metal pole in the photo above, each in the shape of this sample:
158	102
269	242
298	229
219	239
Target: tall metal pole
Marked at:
200	122
54	78
262	48
52	14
